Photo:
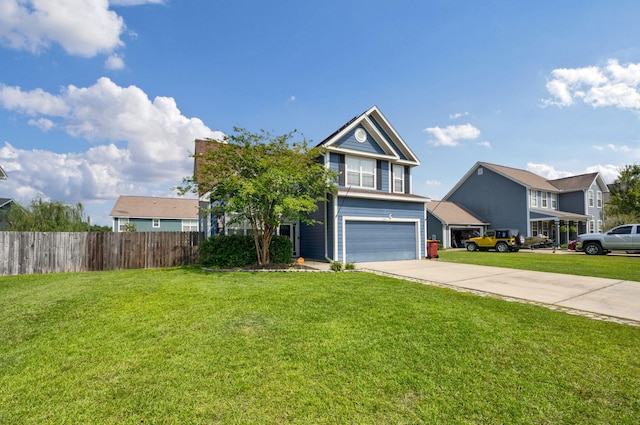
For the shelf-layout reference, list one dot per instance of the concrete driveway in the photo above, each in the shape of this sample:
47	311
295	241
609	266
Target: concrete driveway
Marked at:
608	299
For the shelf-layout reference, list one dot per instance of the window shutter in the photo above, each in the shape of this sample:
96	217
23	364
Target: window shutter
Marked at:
407	180
378	175
342	169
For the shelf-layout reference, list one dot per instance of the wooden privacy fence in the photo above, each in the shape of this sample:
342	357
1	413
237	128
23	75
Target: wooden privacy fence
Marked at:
56	252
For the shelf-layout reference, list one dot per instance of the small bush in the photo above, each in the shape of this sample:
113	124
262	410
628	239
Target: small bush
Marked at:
336	266
281	249
350	266
238	251
228	251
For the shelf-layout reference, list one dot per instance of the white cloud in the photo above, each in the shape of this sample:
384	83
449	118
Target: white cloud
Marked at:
451	135
614	148
42	123
134	2
547	171
485	144
31	103
608	172
458	115
114	62
433	182
611	85
158	141
83	28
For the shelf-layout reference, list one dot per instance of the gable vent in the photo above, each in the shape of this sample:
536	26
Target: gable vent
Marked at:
480	171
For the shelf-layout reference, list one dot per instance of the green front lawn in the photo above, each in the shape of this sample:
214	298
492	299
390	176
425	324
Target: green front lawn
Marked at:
182	346
609	266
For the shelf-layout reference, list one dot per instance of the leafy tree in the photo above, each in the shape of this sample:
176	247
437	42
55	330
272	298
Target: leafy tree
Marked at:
98	228
130	227
624	200
262	179
47	216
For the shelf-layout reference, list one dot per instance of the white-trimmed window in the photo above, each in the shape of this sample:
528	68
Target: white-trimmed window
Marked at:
398	178
590	197
361	172
155	223
599	199
533	198
592	226
122	224
534	228
599	229
189	225
543	200
554	201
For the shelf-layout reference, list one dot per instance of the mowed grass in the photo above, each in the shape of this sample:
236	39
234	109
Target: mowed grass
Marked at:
183	346
608	266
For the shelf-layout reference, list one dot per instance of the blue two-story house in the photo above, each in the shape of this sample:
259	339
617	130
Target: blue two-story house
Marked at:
374	216
513	198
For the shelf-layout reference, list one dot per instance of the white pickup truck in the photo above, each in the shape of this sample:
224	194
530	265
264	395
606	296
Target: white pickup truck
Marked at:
625	237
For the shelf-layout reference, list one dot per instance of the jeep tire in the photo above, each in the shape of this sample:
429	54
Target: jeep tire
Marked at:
502	247
471	246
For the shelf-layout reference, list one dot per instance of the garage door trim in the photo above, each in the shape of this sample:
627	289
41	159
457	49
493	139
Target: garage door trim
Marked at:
416	221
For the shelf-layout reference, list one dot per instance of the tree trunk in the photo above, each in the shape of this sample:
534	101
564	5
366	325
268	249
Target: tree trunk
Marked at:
263	243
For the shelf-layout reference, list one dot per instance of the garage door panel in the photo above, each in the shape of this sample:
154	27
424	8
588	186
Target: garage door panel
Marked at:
380	241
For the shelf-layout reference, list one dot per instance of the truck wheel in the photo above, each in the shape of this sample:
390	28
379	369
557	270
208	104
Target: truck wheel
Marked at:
592	248
502	247
472	247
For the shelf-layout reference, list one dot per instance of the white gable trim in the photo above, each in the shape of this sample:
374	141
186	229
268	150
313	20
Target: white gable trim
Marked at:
365	121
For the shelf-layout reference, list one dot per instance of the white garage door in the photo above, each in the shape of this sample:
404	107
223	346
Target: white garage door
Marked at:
380	241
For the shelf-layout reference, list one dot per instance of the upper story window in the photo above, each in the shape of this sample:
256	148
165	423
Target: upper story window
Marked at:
590	197
599	199
543	200
554	201
533	198
398	178
361	172
155	223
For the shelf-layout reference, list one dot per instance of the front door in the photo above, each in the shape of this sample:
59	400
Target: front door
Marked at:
291	231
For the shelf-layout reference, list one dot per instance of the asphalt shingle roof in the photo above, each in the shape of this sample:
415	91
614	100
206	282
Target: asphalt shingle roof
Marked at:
152	207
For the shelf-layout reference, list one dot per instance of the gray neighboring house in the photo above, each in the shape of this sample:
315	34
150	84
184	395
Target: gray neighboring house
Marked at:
452	224
152	214
519	199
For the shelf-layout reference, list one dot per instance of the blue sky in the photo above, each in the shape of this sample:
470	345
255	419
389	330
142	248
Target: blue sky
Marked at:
104	98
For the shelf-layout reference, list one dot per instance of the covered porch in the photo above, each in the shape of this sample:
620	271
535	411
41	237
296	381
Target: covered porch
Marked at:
559	226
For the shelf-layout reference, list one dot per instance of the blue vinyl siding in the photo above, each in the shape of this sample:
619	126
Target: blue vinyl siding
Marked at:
384	171
349	142
572	202
312	236
388	139
500	201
